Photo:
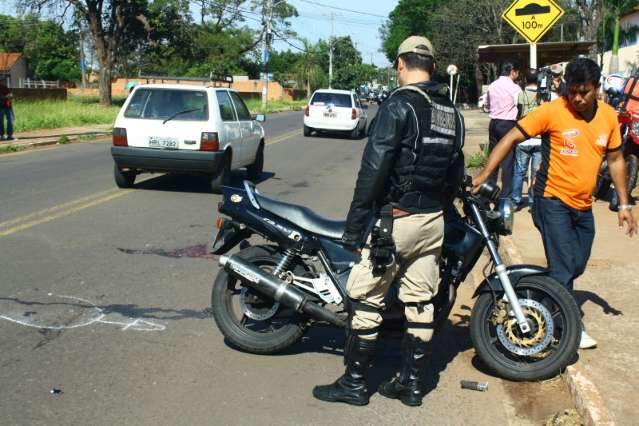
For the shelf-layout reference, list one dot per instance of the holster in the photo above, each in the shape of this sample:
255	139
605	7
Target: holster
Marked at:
382	253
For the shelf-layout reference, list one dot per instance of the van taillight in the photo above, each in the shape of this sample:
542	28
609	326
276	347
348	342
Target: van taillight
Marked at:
119	137
307	111
209	142
354	114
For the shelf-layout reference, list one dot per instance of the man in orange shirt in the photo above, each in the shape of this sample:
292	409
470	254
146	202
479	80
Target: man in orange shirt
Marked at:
581	132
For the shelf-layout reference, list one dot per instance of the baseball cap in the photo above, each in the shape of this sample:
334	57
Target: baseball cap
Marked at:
556	69
416	44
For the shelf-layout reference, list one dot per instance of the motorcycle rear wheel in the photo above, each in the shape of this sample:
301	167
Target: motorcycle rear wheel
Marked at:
564	339
272	335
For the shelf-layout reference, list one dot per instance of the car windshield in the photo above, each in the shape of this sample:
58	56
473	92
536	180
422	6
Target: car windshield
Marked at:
336	99
160	104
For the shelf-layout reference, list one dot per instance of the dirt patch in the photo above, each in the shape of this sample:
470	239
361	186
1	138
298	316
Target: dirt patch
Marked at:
532	400
565	418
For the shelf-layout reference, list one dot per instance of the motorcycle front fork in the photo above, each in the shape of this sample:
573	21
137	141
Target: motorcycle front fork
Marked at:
509	292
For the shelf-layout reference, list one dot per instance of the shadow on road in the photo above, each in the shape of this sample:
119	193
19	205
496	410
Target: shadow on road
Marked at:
452	339
193	184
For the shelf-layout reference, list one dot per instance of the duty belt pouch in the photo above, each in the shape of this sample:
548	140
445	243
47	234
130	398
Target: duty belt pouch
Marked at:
382	253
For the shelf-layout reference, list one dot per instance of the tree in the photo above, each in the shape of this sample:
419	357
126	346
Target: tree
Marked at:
307	68
50	52
616	9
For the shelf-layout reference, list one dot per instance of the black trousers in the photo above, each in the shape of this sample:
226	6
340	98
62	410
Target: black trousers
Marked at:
497	130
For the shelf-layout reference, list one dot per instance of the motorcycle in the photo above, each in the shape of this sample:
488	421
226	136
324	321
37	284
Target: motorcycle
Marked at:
629	126
524	325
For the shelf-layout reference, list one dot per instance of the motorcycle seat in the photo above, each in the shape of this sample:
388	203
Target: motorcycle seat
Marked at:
303	217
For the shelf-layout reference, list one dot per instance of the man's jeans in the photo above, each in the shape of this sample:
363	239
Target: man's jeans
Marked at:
567	235
525	155
6	112
497	129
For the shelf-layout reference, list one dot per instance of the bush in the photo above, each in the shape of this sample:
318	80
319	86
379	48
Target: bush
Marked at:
478	159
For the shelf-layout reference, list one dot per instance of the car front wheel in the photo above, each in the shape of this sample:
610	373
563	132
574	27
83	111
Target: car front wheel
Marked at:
254	171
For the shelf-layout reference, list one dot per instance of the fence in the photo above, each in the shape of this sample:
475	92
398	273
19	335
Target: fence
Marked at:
27	83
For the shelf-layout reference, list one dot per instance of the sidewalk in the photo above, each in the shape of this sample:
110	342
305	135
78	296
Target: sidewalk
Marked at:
43	137
603	380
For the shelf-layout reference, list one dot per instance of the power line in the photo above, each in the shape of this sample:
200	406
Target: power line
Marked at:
343	9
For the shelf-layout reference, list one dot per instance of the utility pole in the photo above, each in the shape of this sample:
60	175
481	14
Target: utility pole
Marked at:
265	53
330	54
83	64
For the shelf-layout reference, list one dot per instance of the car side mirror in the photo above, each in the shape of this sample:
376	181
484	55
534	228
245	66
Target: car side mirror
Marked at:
259	117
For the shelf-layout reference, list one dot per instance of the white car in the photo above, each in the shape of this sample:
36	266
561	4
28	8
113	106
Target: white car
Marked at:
186	129
335	110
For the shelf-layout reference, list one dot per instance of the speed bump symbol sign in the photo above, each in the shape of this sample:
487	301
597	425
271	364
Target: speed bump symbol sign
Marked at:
532	18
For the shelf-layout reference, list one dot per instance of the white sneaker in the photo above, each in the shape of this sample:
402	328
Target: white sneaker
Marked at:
587	342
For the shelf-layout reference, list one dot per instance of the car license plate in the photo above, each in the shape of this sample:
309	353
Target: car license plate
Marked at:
330	115
160	142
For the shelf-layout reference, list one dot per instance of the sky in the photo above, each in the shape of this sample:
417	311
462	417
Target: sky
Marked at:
314	23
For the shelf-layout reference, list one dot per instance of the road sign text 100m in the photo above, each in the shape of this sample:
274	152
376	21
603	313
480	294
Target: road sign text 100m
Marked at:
532	25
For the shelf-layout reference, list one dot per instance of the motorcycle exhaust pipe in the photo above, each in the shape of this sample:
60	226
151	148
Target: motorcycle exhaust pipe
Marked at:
277	289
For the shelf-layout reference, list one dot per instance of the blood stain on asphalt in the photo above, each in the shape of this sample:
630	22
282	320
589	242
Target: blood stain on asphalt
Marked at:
200	251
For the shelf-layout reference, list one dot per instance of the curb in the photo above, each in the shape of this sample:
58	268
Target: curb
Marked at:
53	140
587	399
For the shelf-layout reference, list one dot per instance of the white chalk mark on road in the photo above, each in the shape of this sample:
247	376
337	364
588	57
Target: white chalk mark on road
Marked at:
96	315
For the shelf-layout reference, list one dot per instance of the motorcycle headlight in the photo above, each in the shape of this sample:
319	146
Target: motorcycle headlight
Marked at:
635	127
506	216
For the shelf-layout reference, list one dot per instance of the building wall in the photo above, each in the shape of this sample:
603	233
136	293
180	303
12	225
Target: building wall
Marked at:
18	72
628	60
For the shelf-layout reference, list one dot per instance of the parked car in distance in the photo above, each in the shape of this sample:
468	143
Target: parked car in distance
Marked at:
335	111
186	129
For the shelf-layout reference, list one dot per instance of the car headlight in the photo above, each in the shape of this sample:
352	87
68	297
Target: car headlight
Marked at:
506	216
635	127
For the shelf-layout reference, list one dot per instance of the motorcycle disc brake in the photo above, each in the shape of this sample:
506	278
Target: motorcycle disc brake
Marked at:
255	307
541	335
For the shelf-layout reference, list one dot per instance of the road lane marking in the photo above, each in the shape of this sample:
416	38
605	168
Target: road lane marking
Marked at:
61	214
62	210
283	137
55	208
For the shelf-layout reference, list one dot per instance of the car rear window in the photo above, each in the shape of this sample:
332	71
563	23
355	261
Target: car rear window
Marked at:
337	99
160	104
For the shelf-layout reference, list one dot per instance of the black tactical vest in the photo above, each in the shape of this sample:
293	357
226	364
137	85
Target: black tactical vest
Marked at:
420	179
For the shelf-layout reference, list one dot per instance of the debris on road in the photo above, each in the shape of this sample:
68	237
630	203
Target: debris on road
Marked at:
55	391
467	384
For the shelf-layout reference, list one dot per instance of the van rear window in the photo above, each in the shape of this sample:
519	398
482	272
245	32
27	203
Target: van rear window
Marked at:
160	104
336	99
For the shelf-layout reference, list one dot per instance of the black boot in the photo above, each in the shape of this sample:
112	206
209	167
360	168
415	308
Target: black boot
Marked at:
407	387
351	388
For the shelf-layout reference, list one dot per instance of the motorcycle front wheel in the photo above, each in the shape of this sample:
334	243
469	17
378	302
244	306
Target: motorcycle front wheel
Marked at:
541	354
249	320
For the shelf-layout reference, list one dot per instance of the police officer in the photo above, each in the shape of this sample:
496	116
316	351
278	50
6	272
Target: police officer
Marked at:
414	144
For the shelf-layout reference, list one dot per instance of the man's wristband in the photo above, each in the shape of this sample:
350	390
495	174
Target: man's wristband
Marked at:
625	207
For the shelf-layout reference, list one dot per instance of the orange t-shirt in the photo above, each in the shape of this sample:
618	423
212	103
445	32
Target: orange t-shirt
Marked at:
573	153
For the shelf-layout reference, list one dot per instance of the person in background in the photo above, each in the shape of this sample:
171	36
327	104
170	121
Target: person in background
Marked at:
502	105
558	85
528	152
6	111
582	132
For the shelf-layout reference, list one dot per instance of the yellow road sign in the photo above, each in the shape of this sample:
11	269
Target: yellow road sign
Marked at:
532	18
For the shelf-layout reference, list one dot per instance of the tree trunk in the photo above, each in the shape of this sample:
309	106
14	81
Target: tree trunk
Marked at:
614	57
105	83
308	88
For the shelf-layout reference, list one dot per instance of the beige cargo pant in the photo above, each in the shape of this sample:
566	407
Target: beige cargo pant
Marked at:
418	240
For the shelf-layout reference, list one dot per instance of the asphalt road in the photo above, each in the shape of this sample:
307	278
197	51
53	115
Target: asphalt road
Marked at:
104	297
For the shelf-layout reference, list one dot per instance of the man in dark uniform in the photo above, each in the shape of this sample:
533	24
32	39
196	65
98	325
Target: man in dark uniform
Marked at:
406	178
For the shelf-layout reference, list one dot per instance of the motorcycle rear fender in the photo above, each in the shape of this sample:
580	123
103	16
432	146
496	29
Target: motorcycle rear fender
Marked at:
515	273
229	236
